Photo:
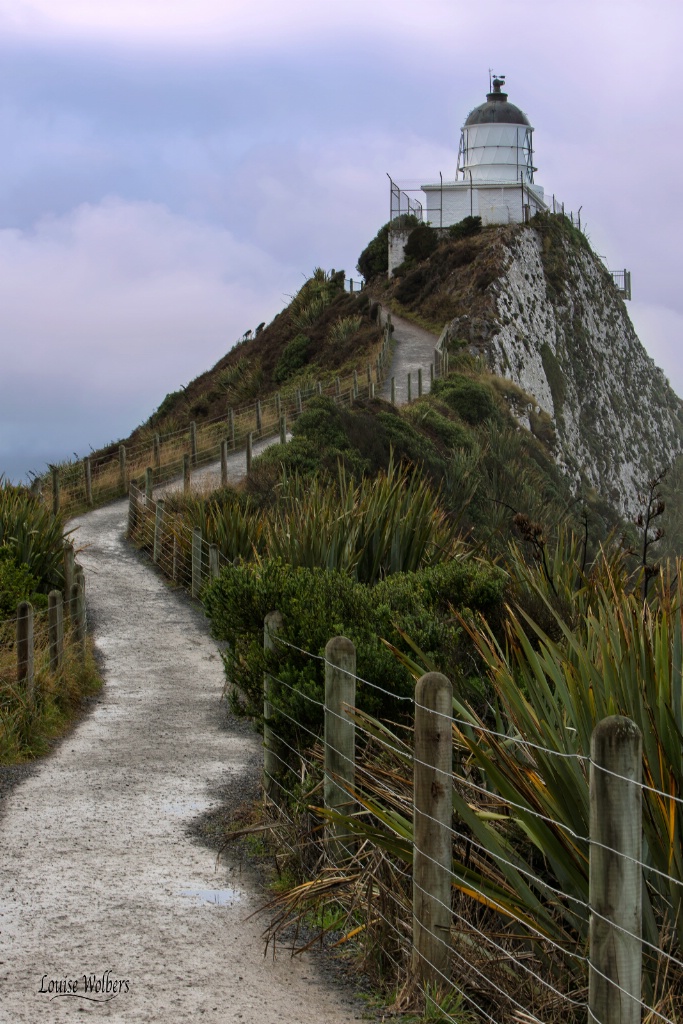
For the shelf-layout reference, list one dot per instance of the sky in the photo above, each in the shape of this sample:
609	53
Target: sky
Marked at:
172	171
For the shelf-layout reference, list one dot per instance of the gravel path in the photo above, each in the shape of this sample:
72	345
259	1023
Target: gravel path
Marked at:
98	869
413	350
100	877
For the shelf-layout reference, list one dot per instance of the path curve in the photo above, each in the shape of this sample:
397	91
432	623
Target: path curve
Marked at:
97	869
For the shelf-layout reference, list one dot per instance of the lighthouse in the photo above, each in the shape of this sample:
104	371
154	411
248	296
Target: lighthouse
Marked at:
494	177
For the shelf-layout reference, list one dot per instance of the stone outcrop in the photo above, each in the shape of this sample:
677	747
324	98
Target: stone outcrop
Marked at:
557	326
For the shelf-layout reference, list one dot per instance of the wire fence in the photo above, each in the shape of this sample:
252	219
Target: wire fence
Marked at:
37	646
79	485
492	903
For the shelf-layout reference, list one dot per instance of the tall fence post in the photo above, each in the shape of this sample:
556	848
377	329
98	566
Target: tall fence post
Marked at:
196	561
214	561
393	391
283	429
132	512
224	463
77	614
55	629
615	875
123	474
25	646
419	382
258	417
249	451
410	394
340	740
69	568
432	816
193	442
87	479
158	530
299	402
55	490
187	474
272	764
231	428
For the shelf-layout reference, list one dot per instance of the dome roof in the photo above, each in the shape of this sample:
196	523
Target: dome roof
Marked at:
497	110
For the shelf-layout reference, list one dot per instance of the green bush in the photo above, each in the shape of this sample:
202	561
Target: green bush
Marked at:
465	228
294	355
421	243
318	604
16	583
374	259
32	536
473	400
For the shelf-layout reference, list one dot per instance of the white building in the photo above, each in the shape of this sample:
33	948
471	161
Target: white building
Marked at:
494	179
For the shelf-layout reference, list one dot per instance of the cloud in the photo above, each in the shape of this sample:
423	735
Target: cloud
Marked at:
109	307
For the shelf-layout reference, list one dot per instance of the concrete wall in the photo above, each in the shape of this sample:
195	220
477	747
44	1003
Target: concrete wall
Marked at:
397	244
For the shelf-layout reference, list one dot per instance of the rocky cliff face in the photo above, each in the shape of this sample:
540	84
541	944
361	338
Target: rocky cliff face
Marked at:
555	324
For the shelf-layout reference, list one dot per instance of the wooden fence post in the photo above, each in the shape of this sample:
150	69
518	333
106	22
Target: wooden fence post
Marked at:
196	561
616	877
69	568
283	429
258	416
132	513
369	375
318	387
355	383
419	382
272	762
214	561
158	530
372	389
299	402
149	486
432	816
123	475
437	362
55	629
193	443
55	490
87	479
249	451
187	474
156	449
431	374
231	428
393	391
77	614
25	646
340	741
410	395
224	463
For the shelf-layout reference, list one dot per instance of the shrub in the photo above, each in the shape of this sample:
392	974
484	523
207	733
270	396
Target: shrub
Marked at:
16	583
421	243
473	400
30	535
344	328
316	605
294	355
411	285
465	228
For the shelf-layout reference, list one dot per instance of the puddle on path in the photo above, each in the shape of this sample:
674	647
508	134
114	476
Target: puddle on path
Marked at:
216	897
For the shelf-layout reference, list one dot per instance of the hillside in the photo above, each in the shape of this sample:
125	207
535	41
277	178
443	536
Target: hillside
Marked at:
540	308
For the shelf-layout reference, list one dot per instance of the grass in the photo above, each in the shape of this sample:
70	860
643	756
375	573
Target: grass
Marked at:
30	725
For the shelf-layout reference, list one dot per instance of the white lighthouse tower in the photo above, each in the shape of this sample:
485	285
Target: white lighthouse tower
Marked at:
494	178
